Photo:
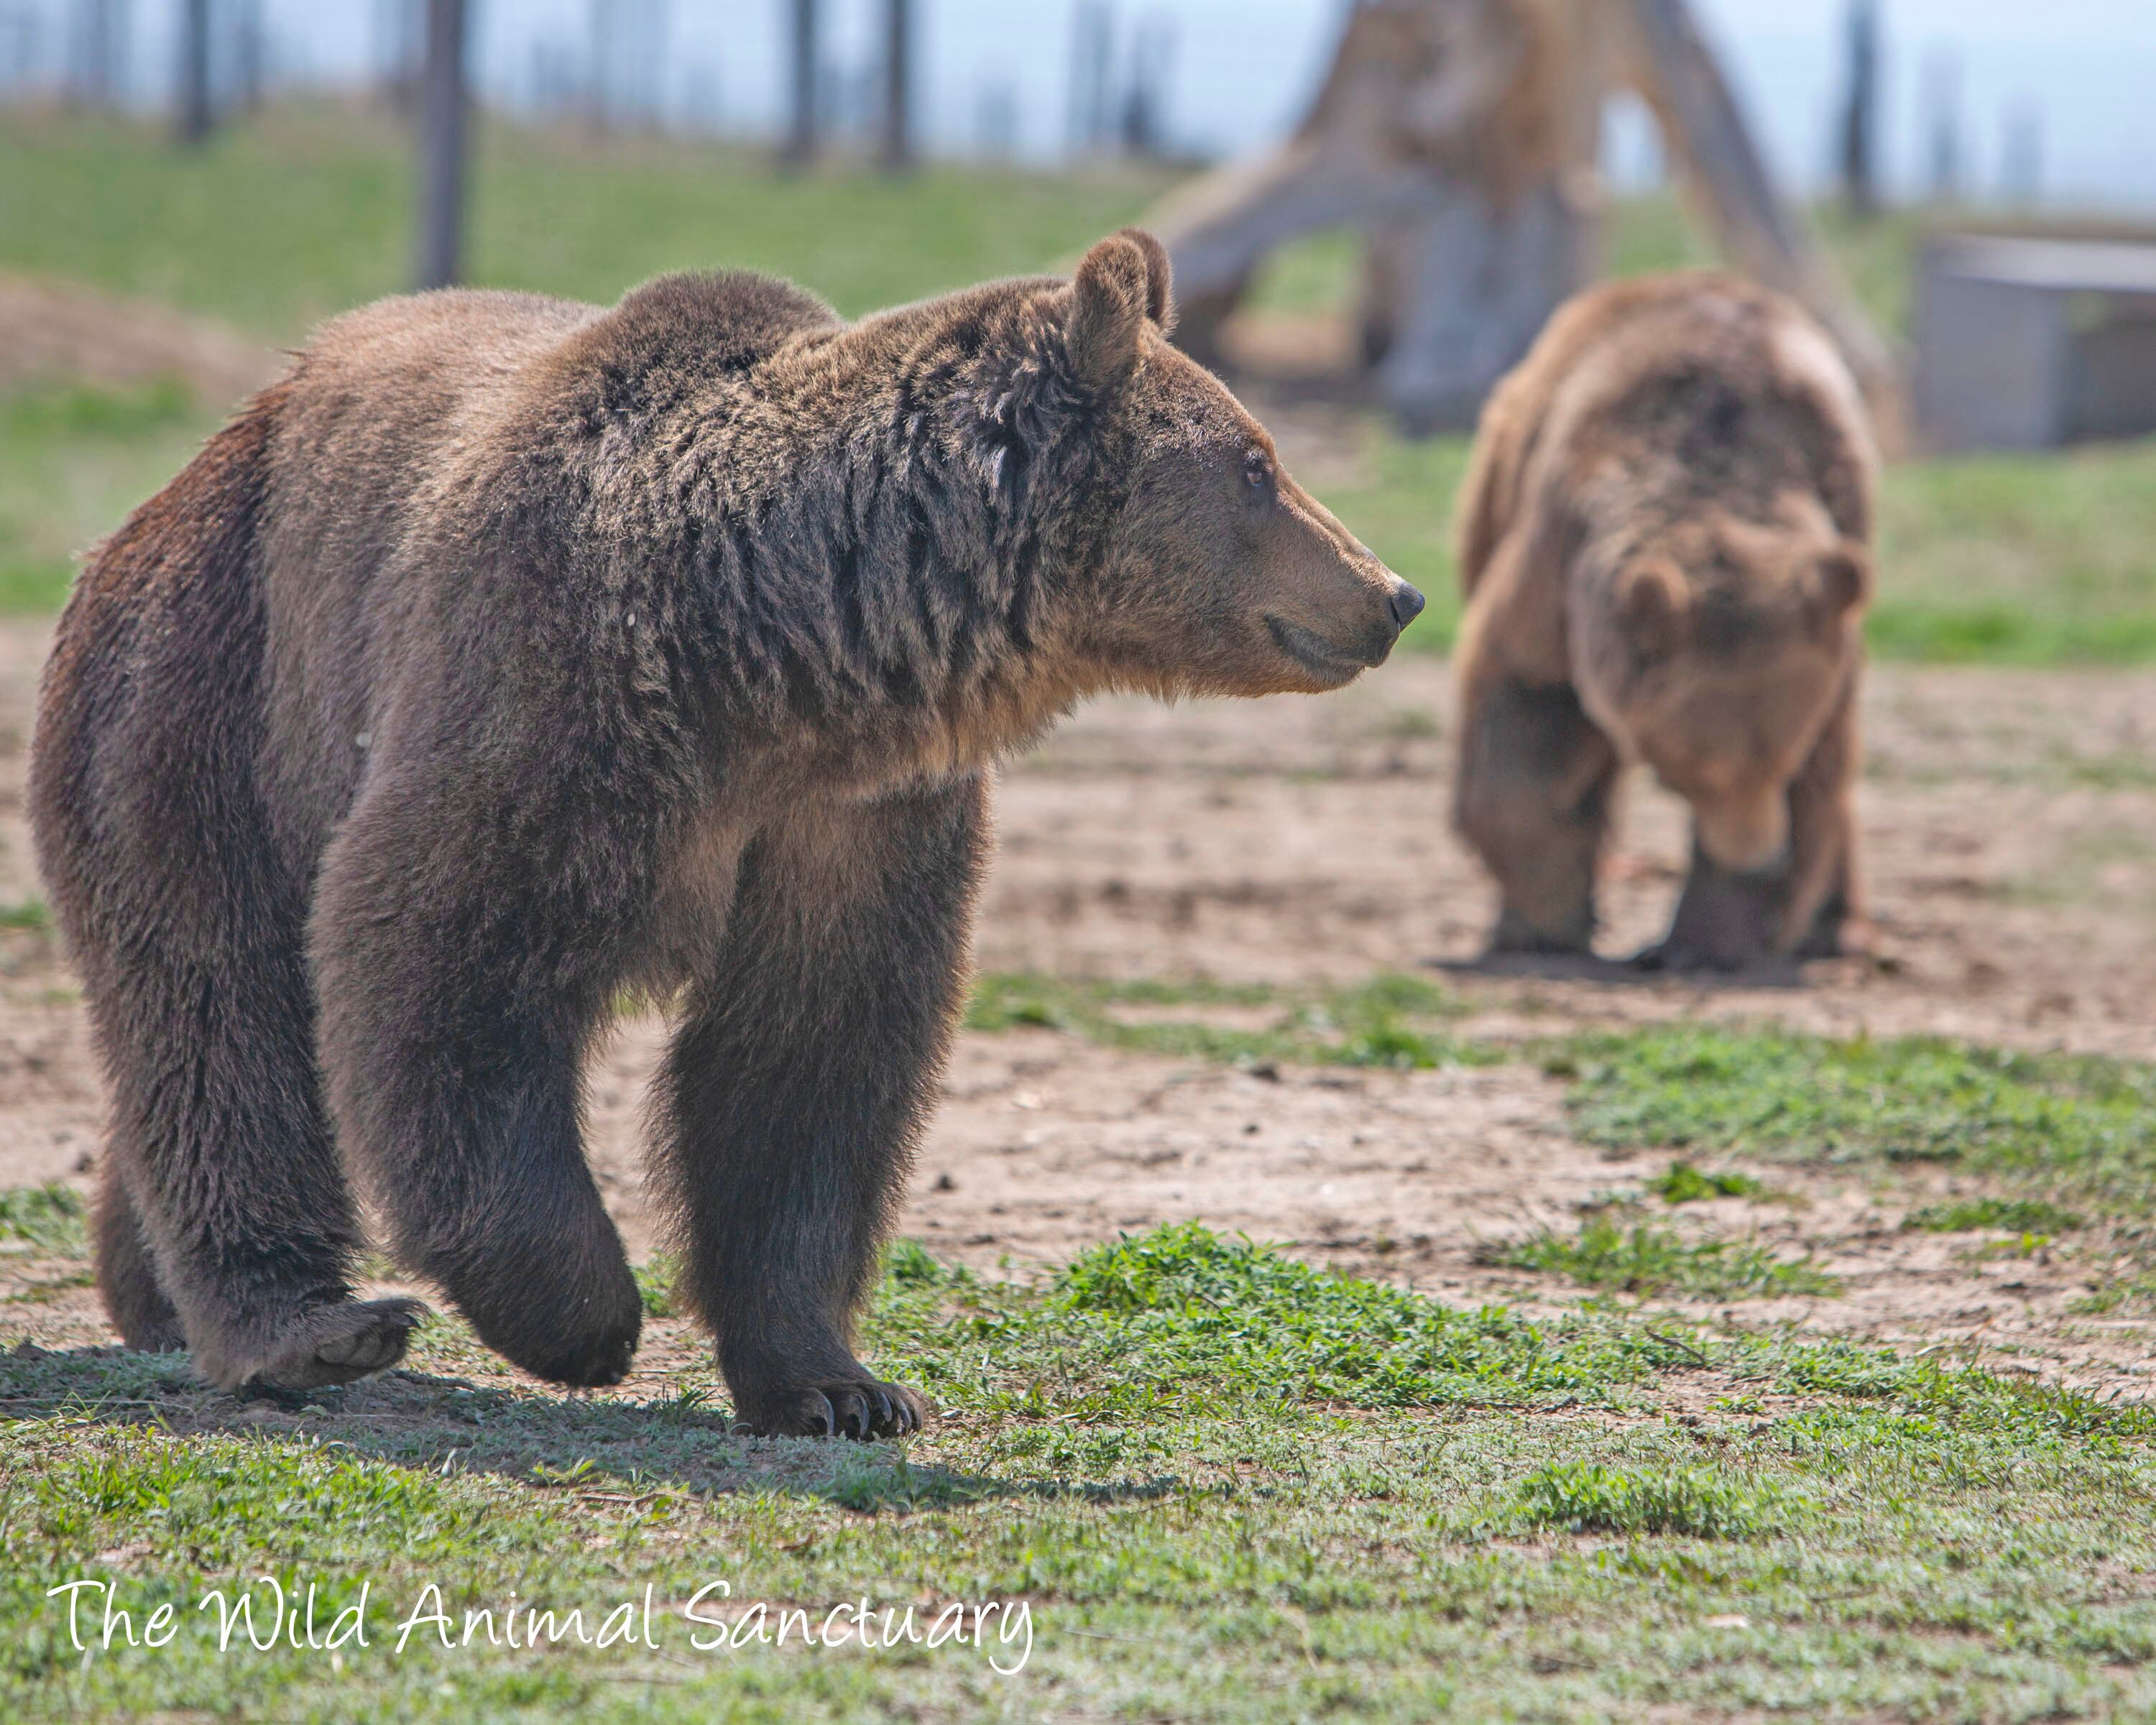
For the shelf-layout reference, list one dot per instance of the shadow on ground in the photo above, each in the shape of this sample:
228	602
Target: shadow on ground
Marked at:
581	1444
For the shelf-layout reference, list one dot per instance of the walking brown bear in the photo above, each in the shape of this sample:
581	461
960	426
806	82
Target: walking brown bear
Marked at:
509	652
1664	539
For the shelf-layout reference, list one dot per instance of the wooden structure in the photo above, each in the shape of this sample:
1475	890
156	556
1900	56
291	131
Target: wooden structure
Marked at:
1460	138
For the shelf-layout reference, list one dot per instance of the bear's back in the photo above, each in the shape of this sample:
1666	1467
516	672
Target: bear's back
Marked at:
1698	385
395	394
1707	388
410	429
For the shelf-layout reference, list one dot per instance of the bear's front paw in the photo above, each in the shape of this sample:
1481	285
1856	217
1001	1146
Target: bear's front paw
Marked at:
1514	935
1676	957
858	1408
318	1346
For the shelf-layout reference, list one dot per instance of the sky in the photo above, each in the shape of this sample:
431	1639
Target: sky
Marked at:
1238	71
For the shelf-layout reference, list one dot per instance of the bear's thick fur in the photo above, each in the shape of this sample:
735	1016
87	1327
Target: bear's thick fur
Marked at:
508	654
1664	537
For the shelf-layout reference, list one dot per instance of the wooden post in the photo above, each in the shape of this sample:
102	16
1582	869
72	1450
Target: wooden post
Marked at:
442	146
196	118
1092	37
1943	126
600	93
897	152
1860	114
801	135
95	30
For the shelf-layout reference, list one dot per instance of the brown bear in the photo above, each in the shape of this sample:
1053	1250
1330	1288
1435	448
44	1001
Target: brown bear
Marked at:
508	654
1664	541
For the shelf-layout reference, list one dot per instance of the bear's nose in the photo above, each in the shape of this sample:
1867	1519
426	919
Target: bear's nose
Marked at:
1406	604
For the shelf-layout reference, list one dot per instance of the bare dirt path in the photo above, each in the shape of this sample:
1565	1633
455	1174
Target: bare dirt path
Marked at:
2010	821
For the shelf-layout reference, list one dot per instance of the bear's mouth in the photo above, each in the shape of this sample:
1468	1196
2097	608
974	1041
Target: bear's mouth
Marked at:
1313	652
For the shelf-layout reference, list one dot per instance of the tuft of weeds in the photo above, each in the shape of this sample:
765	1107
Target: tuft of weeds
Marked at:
2031	1217
1681	1182
2136	1292
655	1283
1647	1259
52	1217
1590	1497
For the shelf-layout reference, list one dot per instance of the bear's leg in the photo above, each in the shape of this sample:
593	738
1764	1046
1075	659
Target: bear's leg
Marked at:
459	994
127	1278
1825	916
1534	799
1806	906
1724	920
797	1086
228	1174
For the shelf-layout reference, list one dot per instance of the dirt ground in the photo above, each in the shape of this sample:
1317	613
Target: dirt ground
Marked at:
2010	829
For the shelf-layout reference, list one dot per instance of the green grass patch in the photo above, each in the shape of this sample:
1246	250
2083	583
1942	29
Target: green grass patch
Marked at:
2085	1128
1645	1260
1589	1497
1200	1320
1388	1021
655	1282
2009	1215
74	459
53	1217
1681	1182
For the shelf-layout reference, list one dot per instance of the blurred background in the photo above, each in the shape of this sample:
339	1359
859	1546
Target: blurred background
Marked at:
1373	207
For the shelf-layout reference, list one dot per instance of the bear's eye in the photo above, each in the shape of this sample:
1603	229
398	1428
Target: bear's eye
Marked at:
1258	472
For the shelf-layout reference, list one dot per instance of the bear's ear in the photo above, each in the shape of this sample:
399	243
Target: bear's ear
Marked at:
1653	605
1109	297
1838	584
1160	278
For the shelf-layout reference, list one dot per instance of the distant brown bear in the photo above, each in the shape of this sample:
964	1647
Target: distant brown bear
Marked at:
510	653
1665	540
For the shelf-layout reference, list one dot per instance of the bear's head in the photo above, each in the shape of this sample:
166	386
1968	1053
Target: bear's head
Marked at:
1206	569
1716	649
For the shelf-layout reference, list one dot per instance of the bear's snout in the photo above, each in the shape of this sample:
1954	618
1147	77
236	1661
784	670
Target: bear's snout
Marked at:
1405	604
1746	834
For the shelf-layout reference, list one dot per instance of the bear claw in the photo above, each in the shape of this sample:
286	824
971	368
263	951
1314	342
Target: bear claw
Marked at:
860	1410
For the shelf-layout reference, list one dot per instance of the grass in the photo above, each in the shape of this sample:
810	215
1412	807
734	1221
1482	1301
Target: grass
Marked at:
1645	1260
1681	1182
1589	1498
74	459
51	1217
1384	1022
2085	1128
2031	1216
280	223
2034	560
1220	1485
